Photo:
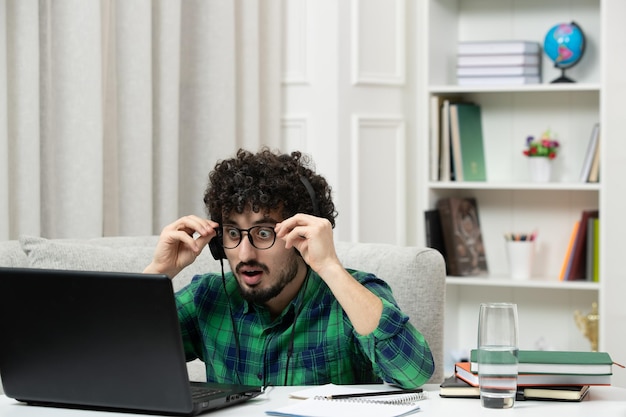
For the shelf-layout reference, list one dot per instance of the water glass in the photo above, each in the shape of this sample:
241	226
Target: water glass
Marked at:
497	354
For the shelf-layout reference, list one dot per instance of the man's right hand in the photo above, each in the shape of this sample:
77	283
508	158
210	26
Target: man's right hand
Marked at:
180	243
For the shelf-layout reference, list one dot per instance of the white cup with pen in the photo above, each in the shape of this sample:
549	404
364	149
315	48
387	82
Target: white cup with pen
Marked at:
520	249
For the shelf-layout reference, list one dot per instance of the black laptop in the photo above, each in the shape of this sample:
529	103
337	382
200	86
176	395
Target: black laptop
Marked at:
99	340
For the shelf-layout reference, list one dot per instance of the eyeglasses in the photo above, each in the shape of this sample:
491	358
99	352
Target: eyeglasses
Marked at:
261	237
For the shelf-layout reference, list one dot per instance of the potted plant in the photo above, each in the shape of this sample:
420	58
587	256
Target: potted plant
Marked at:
541	152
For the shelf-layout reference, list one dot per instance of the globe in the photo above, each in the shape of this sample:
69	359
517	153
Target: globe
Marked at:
565	45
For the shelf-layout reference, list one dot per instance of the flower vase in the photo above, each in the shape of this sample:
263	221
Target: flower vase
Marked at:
540	168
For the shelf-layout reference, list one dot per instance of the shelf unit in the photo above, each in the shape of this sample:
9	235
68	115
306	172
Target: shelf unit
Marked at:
508	201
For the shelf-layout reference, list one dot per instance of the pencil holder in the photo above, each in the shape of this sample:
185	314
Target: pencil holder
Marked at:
520	255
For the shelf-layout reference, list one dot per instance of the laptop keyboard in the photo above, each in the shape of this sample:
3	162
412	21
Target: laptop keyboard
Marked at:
199	392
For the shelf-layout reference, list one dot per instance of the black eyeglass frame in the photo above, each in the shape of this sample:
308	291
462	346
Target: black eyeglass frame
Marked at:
250	238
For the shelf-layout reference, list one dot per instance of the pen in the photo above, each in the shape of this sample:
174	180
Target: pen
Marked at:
373	394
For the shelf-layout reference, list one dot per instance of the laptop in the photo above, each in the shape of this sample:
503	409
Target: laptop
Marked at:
99	340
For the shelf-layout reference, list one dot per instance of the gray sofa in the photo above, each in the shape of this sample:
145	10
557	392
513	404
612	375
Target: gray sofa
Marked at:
416	275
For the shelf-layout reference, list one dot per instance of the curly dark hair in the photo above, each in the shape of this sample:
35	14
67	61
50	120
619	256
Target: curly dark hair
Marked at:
264	181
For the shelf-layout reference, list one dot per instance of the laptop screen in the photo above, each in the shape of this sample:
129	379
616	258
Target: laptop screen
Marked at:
94	339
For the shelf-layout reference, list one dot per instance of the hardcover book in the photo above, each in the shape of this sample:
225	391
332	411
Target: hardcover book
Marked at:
504	47
497	71
579	251
594	172
454	387
557	362
467	142
499	60
444	145
590	153
436	103
460	225
555	393
567	260
462	370
595	267
434	232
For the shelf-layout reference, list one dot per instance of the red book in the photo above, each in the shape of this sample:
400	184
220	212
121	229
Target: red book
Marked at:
463	371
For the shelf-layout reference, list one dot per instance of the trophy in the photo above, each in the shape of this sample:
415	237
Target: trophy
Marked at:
588	325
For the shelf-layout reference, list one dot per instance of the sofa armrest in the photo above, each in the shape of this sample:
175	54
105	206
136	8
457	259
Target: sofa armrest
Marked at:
417	277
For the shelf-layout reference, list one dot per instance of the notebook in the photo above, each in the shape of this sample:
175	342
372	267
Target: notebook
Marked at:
99	340
332	400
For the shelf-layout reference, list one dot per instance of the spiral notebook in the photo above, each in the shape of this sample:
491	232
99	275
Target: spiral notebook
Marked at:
318	402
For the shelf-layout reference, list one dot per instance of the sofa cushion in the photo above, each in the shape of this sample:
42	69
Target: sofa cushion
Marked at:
12	255
118	254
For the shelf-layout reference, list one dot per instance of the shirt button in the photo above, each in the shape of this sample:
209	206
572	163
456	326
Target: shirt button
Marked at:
260	376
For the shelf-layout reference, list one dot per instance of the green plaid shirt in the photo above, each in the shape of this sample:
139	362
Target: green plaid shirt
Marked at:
325	346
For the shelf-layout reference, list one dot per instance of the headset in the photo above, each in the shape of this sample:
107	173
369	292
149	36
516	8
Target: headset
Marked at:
216	246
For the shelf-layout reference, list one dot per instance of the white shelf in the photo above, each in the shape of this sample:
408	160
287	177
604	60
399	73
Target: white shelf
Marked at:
537	283
533	186
529	88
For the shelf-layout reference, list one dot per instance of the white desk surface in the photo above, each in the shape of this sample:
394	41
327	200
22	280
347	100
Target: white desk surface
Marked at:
601	401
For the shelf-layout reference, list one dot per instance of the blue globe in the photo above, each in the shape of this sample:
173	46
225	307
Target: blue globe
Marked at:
564	44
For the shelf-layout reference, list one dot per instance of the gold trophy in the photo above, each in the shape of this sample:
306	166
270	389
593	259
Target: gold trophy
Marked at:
588	325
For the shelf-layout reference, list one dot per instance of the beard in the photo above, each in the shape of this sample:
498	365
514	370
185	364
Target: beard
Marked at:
283	277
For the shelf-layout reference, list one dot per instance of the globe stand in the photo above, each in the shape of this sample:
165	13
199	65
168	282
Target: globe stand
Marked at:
562	78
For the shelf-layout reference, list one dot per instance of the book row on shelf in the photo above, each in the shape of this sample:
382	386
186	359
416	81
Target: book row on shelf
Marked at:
453	228
542	375
457	149
498	62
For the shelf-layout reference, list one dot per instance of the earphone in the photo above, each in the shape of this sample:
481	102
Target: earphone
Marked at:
215	245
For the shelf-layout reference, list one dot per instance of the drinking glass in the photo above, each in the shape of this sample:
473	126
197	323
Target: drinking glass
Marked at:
497	354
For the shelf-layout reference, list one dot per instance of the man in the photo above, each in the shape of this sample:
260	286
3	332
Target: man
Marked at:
289	313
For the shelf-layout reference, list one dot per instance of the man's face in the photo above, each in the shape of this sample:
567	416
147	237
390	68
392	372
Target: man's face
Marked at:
262	274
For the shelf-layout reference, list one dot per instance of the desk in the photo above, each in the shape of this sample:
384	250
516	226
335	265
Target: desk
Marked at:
601	401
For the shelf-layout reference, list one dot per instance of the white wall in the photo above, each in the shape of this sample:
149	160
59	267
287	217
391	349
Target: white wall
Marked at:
347	103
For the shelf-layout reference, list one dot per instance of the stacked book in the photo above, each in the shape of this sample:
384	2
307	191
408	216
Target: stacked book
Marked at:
455	387
545	375
498	62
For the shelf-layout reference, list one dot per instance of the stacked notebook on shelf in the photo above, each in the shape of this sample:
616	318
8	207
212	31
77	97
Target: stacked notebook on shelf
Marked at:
503	62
